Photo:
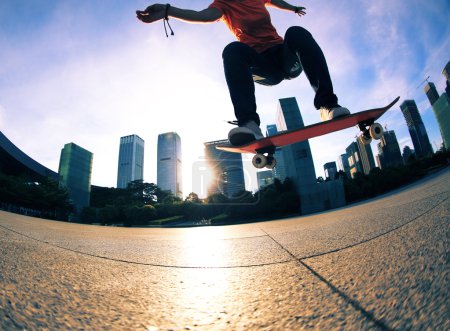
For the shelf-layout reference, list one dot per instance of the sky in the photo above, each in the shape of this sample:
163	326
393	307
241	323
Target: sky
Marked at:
89	72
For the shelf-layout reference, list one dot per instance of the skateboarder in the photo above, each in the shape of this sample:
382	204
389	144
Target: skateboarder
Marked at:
259	55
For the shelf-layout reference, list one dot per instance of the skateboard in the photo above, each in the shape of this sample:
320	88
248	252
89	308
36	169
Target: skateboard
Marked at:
265	148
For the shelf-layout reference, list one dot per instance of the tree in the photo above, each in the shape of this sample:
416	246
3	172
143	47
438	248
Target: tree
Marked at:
193	197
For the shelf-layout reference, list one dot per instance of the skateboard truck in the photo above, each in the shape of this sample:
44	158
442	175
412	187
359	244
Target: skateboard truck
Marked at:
370	130
260	160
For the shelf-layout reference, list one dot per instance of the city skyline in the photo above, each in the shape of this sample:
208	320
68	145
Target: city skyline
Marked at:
93	79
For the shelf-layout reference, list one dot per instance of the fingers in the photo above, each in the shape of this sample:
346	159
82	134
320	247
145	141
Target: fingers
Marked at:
300	11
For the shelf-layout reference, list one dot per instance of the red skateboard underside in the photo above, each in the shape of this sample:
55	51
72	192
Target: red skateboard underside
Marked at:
364	118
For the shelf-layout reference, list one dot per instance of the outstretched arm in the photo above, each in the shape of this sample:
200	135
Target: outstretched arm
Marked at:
157	12
281	4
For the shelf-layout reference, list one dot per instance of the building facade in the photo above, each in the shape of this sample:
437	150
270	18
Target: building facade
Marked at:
366	157
131	160
265	178
75	168
299	165
169	163
446	73
389	155
441	109
226	169
14	162
408	155
330	170
416	129
354	159
343	165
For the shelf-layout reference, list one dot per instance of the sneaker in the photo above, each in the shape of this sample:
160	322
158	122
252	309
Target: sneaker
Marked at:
245	134
327	114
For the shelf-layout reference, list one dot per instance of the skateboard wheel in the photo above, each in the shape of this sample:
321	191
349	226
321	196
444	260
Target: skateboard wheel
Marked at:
364	139
259	161
376	131
271	162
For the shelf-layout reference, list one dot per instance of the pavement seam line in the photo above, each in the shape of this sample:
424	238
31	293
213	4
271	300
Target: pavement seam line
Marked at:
375	237
233	266
354	303
142	263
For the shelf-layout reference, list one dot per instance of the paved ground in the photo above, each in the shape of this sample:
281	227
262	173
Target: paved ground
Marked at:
376	265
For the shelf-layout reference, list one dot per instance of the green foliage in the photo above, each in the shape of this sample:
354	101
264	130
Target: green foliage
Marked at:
43	195
381	181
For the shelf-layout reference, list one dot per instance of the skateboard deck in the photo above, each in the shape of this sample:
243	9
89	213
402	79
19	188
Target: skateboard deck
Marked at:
365	120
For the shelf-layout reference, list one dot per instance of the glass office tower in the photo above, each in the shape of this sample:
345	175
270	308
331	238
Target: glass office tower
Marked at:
298	159
416	129
441	109
169	167
131	160
389	154
226	169
75	168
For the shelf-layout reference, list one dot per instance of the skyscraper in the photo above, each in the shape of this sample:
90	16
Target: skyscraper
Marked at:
330	170
354	159
431	92
299	165
416	129
75	167
265	178
226	168
441	109
389	154
131	160
407	155
343	164
298	158
366	157
446	73
169	167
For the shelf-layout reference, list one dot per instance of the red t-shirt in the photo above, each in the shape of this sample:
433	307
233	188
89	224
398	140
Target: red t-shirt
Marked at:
249	21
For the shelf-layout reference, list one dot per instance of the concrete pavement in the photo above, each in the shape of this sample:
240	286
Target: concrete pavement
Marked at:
382	264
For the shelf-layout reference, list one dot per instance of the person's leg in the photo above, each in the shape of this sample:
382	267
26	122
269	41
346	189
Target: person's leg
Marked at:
299	41
240	61
237	60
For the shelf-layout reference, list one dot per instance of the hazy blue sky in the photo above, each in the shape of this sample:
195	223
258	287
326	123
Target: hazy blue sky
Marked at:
89	72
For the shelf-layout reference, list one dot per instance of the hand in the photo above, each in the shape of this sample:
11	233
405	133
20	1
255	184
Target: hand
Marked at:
300	11
152	13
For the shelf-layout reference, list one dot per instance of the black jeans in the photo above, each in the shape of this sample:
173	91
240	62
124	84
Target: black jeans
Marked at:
243	66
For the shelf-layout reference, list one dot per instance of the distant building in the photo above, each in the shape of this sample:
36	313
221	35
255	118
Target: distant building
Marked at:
389	154
354	159
299	165
360	158
416	129
265	178
441	109
226	168
75	168
280	170
343	164
408	154
330	170
169	164
446	73
131	160
431	92
366	157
